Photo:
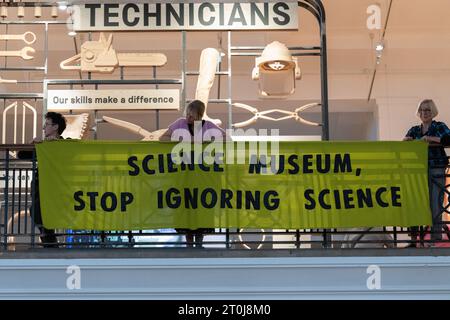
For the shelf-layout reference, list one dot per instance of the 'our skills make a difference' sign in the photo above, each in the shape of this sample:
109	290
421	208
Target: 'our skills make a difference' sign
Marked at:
100	185
200	15
128	99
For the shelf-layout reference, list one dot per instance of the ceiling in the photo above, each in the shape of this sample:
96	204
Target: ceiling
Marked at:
417	49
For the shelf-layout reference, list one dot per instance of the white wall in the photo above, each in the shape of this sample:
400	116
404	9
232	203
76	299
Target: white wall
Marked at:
426	277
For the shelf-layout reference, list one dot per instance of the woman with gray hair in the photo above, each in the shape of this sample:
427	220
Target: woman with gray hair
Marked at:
192	127
431	131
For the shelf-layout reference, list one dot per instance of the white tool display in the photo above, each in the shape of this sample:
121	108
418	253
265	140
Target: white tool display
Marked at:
28	37
266	115
25	53
12	109
209	60
100	57
155	135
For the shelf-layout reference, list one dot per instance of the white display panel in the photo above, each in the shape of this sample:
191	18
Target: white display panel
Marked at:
160	16
161	99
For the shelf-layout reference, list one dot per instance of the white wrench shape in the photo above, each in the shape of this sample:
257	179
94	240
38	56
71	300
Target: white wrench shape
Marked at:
25	53
28	37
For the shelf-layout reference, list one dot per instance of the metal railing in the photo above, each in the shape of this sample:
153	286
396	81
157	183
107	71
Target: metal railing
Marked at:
18	229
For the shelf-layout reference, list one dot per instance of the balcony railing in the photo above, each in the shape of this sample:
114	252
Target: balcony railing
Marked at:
18	230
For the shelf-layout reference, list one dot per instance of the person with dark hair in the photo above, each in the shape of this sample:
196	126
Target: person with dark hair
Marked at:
54	126
192	126
432	132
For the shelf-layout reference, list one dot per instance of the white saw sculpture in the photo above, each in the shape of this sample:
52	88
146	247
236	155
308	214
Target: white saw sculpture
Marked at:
76	126
100	57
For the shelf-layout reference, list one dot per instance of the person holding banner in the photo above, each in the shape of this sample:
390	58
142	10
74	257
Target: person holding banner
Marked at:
54	125
432	132
192	126
184	129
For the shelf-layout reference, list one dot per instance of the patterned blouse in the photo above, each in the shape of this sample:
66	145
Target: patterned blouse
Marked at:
436	155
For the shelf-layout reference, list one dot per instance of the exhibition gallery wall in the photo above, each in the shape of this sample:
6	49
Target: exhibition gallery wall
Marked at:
383	58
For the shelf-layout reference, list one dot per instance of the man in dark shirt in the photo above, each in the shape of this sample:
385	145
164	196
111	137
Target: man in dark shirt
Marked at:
54	126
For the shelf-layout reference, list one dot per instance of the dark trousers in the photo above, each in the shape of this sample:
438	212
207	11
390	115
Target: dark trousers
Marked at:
48	237
436	180
194	236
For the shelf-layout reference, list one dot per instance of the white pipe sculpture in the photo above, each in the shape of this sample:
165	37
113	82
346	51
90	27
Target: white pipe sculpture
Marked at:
209	60
146	135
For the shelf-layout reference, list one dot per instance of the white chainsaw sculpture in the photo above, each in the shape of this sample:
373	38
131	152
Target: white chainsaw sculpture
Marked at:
100	57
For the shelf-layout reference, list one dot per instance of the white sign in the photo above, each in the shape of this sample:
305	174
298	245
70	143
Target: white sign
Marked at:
63	100
268	15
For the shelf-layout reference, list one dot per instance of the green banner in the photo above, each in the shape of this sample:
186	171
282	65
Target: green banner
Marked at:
104	185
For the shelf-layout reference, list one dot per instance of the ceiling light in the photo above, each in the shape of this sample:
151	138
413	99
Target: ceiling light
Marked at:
62	6
72	33
379	46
